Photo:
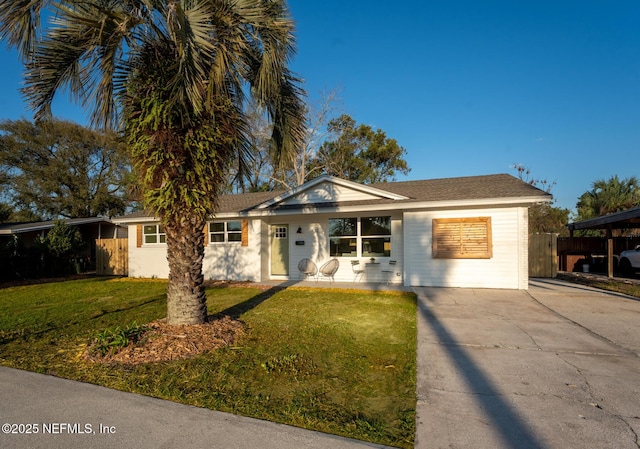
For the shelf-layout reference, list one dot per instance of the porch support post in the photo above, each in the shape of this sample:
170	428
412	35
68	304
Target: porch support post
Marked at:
610	252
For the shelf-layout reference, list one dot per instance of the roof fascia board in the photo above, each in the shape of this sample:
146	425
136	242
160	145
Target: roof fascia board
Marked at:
21	229
408	206
605	220
404	207
368	189
132	220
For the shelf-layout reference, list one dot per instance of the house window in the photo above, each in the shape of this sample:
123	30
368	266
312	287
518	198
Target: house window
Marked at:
343	240
462	238
360	237
225	232
376	236
154	234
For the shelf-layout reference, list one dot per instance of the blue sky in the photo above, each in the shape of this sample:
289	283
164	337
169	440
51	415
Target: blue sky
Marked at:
470	87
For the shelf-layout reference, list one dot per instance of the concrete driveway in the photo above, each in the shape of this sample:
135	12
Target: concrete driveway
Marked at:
557	366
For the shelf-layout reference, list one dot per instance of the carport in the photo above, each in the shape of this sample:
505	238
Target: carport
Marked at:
626	219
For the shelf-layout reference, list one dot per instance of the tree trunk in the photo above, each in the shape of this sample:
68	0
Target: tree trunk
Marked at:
186	299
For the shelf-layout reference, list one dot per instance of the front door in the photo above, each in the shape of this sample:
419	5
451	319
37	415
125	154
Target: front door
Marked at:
280	250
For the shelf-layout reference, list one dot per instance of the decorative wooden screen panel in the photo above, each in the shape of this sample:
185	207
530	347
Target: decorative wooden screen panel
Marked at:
245	233
462	238
139	236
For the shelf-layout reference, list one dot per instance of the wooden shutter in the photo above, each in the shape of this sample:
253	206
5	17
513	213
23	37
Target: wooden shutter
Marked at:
206	233
245	232
462	238
139	236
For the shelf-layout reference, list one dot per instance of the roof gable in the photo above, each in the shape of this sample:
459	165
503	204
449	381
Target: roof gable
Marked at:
329	189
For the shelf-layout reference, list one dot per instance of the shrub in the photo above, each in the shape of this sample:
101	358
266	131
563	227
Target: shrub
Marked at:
112	340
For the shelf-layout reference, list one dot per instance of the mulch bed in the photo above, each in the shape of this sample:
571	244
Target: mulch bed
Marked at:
164	342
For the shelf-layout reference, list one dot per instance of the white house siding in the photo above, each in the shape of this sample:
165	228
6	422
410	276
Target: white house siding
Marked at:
229	261
233	262
397	249
315	235
315	238
147	261
411	247
506	269
523	250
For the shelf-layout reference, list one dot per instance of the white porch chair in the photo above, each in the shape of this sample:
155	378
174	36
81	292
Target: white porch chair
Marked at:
307	268
329	269
357	270
389	271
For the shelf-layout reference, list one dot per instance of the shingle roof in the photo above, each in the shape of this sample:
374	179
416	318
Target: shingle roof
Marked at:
463	188
428	190
446	189
245	201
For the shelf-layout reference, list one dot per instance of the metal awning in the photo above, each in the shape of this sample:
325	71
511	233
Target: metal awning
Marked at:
625	219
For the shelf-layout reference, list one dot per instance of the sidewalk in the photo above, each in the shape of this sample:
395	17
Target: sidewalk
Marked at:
63	414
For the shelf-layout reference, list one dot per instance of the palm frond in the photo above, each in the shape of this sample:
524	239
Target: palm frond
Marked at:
208	50
19	24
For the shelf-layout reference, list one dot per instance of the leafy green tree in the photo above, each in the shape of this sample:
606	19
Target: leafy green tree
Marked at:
335	145
544	218
360	154
5	212
606	197
176	73
62	243
63	240
61	169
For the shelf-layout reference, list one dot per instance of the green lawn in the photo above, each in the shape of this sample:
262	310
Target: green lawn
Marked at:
338	361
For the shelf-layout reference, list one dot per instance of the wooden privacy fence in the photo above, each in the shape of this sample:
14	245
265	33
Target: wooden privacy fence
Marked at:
112	257
575	252
543	256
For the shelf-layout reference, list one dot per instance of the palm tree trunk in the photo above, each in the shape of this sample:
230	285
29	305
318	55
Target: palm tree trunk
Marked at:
186	299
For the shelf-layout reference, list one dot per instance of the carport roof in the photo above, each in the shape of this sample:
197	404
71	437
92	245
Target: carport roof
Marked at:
625	219
18	228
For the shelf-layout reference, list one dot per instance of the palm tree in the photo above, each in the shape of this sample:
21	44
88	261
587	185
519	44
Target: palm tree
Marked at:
606	197
174	77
